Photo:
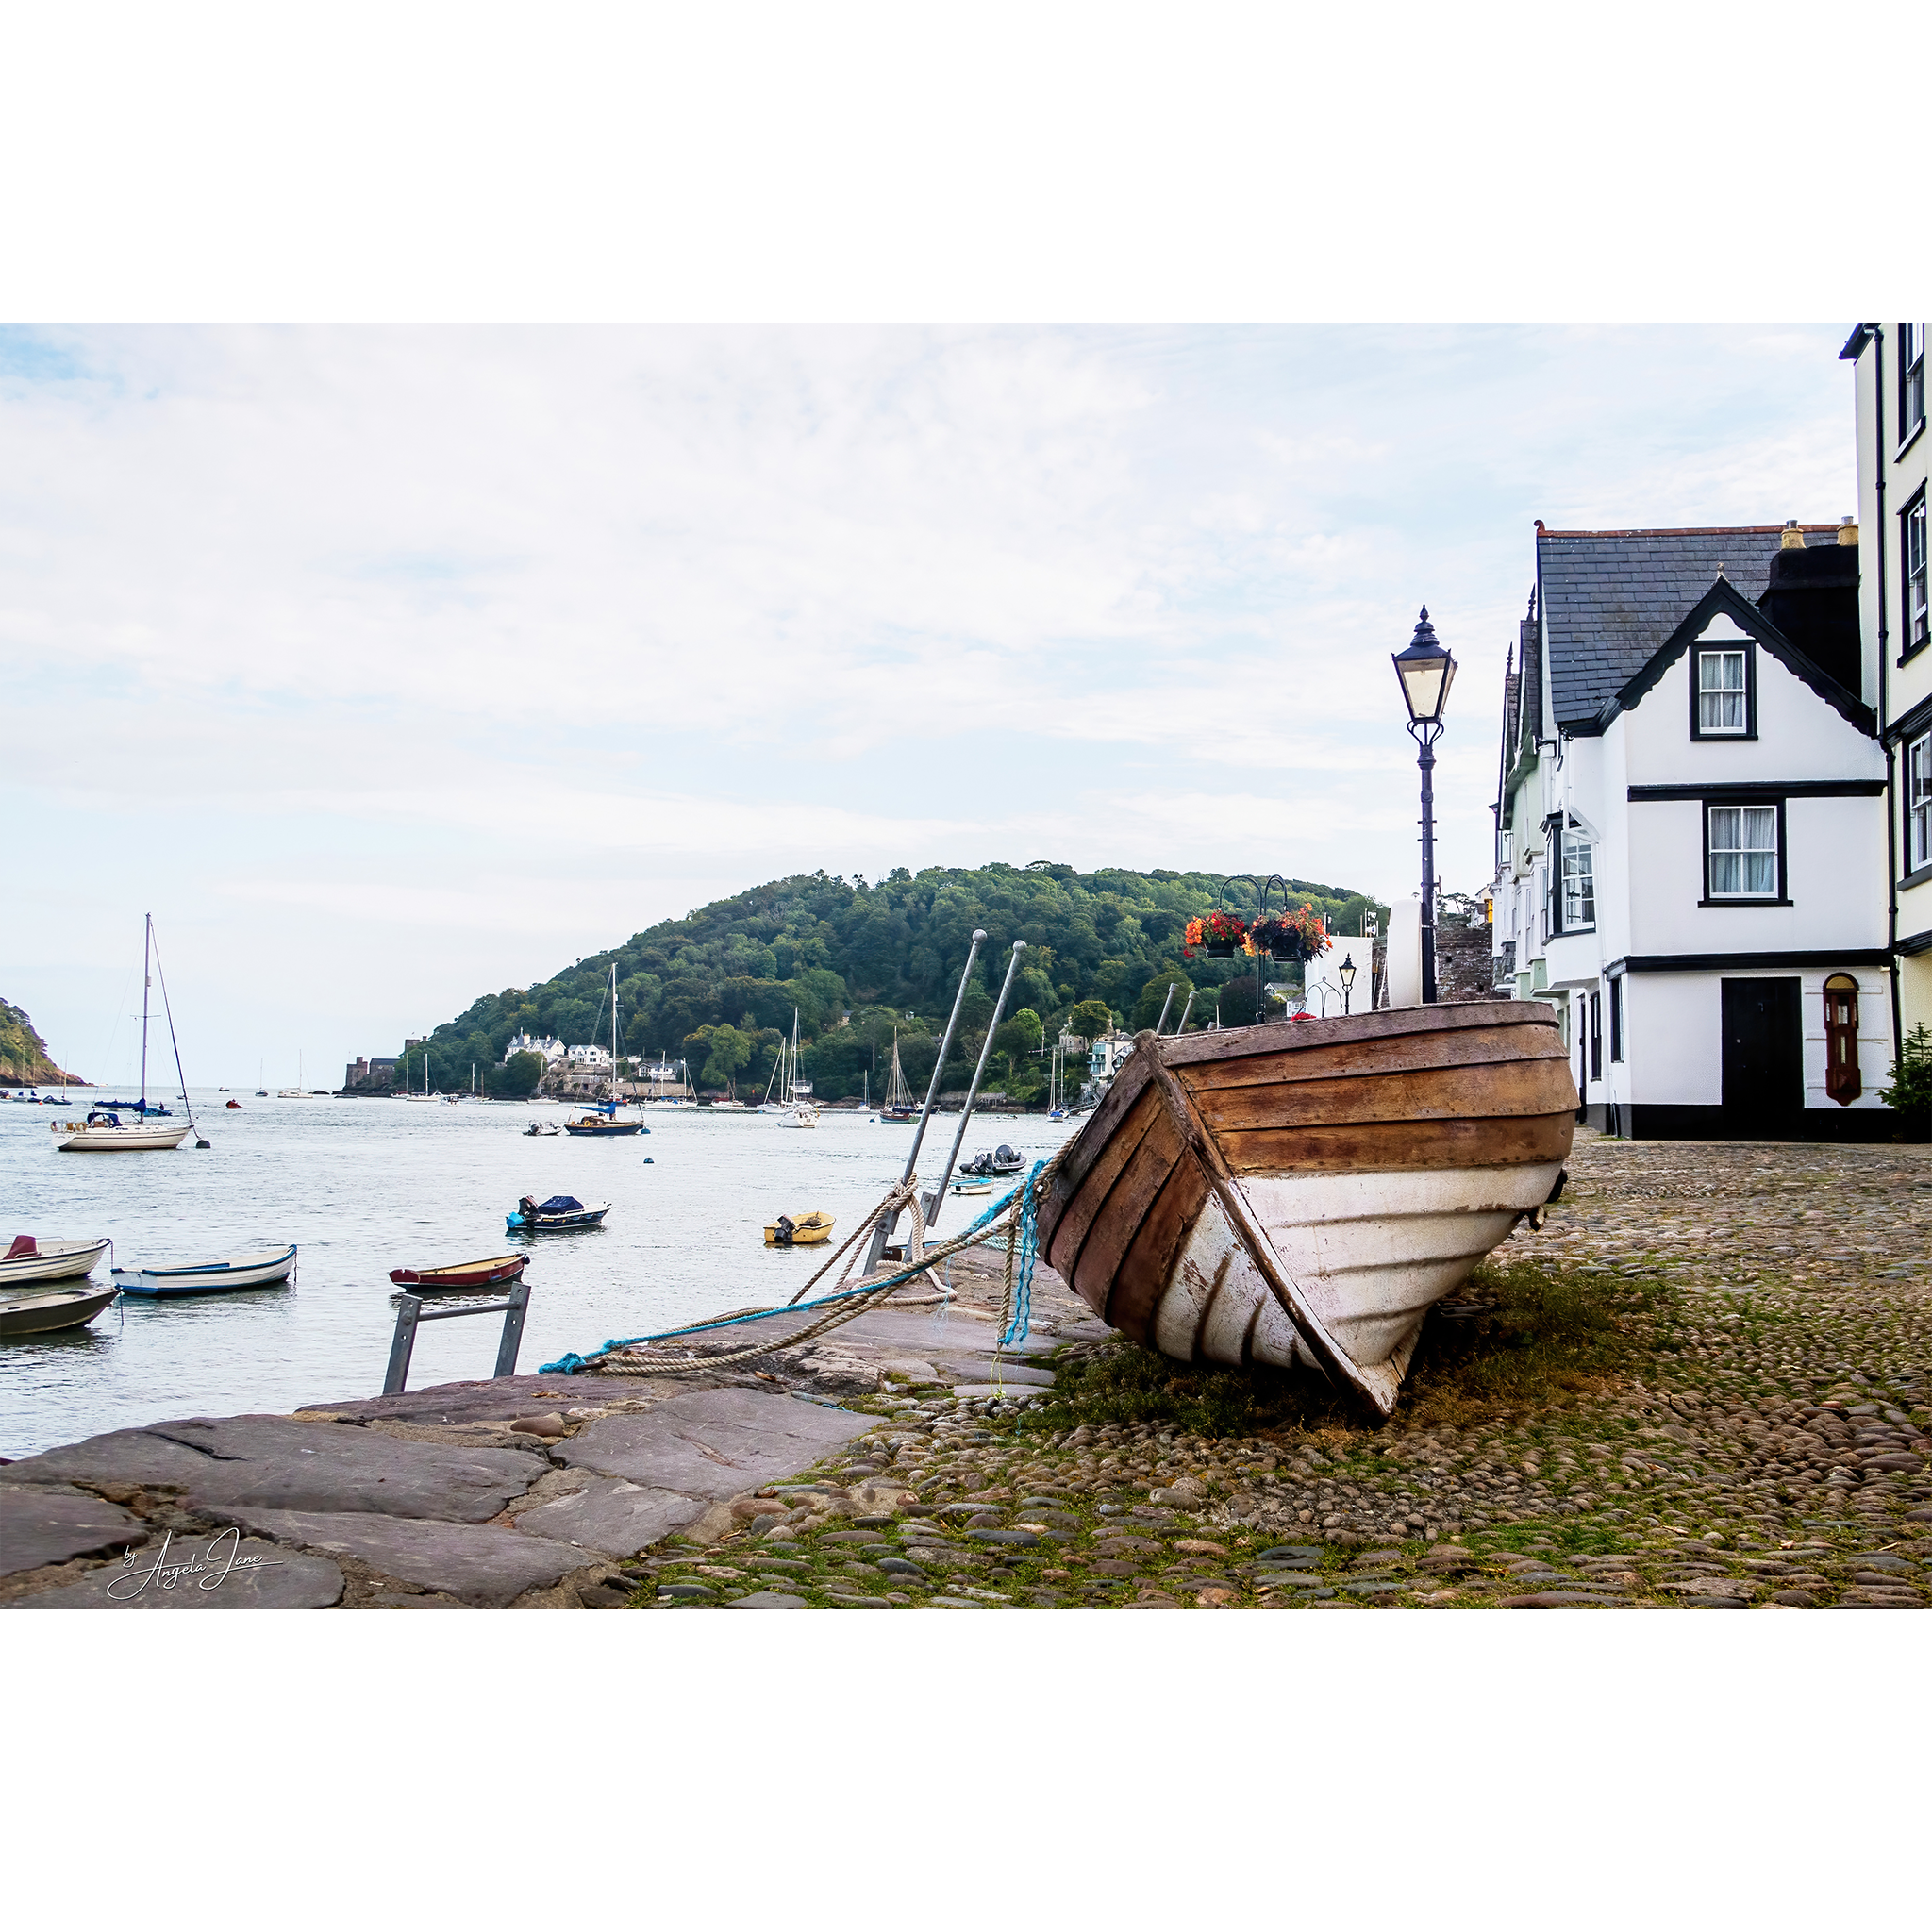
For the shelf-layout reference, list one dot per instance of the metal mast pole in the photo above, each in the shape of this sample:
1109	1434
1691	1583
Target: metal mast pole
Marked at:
935	1199
147	947
882	1233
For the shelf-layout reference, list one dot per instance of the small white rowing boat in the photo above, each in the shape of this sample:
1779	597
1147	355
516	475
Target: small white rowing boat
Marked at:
259	1270
30	1258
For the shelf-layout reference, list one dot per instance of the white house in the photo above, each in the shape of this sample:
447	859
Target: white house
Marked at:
588	1055
552	1050
1690	832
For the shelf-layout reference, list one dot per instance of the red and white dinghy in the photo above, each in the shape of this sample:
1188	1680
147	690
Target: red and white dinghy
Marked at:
493	1273
1304	1192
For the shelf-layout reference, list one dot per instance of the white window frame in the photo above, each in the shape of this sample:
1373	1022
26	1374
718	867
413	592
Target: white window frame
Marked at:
1911	379
1750	821
1918	776
1579	881
1912	547
1714	699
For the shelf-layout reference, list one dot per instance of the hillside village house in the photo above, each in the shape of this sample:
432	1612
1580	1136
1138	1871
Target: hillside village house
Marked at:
1691	831
1893	465
552	1050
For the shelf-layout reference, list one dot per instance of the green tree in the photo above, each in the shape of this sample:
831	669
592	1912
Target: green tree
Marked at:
1154	996
520	1075
729	1050
1089	1019
1911	1092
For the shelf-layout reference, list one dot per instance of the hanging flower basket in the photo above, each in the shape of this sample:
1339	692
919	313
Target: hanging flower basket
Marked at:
1292	935
1218	933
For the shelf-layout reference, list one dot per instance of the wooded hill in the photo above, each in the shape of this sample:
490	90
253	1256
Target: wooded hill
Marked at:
718	987
23	1058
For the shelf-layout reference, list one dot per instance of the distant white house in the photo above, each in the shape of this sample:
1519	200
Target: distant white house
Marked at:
552	1050
588	1055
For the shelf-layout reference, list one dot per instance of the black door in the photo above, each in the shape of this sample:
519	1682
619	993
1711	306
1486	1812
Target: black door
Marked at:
1764	1055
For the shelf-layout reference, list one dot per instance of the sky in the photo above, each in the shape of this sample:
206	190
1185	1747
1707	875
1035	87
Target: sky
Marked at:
389	666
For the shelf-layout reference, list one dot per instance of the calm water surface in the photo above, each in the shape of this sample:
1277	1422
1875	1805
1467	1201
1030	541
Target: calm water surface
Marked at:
364	1186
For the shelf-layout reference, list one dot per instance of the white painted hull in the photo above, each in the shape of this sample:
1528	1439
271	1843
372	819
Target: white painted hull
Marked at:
78	1138
214	1277
54	1262
1372	1251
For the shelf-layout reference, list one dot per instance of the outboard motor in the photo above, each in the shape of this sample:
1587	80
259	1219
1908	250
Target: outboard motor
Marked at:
785	1231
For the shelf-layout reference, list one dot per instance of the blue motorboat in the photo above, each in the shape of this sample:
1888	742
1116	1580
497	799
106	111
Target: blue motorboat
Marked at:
560	1212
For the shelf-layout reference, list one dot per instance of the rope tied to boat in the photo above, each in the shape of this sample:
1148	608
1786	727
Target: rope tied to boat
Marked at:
1016	1211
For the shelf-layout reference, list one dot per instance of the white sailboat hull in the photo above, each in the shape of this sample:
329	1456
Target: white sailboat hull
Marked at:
76	1137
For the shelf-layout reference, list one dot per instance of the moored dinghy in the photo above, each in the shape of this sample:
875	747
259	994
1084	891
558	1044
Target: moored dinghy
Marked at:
34	1257
262	1269
1306	1193
490	1273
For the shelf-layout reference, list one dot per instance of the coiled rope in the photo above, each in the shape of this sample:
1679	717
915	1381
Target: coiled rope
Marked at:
1018	1210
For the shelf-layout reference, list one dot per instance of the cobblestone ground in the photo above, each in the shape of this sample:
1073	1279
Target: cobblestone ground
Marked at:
1764	1441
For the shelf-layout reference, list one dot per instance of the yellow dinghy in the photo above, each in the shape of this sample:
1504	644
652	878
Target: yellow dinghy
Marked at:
798	1231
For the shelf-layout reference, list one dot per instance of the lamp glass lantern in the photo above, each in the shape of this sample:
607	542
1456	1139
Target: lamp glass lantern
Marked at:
1426	671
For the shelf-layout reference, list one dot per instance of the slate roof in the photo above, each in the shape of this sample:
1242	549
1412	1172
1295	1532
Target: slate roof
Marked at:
1611	598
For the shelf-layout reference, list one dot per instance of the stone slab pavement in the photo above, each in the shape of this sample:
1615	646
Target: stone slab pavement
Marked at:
398	1501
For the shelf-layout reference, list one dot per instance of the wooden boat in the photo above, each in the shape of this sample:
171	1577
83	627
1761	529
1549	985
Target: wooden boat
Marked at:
492	1273
801	1231
561	1211
29	1258
262	1269
1306	1191
898	1110
47	1315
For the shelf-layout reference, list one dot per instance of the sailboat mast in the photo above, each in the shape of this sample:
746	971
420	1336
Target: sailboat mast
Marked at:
147	946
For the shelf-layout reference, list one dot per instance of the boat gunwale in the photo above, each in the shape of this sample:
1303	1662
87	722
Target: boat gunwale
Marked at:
1292	1036
266	1258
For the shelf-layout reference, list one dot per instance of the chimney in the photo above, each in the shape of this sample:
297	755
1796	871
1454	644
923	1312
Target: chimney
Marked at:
1812	596
1848	532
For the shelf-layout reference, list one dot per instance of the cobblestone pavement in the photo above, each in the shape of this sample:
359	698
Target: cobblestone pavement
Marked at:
1765	1444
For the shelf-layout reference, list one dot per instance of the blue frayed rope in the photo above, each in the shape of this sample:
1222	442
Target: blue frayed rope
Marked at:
1029	1251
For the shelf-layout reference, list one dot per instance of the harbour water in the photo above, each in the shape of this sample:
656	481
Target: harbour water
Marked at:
364	1186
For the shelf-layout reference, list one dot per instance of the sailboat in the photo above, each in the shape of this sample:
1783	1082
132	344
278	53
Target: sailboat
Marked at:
103	1131
798	1111
425	1098
299	1092
661	1100
261	1084
897	1107
1057	1087
601	1123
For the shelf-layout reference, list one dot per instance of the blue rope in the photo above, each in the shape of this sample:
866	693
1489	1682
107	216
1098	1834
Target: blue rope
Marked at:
572	1363
1029	1249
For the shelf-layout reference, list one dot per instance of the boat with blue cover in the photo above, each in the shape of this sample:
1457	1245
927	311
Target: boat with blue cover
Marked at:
560	1212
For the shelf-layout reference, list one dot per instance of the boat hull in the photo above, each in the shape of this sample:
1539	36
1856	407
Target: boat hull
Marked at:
51	1262
78	1138
491	1274
214	1277
1306	1193
47	1314
555	1224
603	1130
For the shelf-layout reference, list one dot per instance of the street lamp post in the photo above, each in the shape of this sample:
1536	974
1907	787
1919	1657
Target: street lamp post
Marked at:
1426	671
1345	973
